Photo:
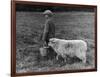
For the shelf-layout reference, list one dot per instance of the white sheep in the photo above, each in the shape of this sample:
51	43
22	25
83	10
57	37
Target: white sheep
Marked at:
71	48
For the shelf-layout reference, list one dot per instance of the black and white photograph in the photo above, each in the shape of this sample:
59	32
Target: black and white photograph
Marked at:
54	38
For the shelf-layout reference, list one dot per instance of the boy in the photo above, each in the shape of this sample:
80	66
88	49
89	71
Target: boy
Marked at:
49	27
48	32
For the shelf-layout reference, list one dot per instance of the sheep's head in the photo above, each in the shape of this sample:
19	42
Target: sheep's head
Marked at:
53	42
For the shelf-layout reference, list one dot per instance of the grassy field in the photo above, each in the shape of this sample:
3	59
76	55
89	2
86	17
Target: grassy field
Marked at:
69	25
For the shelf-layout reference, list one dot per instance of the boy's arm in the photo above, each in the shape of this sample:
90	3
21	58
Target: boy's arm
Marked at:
46	30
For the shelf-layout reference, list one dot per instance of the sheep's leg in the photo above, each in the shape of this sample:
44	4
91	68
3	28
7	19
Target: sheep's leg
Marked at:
57	56
82	56
64	57
84	60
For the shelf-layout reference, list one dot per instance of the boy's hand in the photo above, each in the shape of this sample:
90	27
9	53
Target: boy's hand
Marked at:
45	44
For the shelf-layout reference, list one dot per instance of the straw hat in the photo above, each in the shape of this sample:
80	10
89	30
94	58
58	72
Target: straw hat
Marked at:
47	12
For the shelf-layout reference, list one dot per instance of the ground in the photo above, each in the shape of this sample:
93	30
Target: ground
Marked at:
69	25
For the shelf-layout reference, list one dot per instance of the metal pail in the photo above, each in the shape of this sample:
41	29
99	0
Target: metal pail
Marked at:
43	51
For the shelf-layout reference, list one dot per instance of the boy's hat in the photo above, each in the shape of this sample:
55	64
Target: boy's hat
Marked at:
47	12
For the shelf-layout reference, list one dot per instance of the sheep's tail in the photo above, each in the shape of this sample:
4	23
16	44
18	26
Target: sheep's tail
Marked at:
90	43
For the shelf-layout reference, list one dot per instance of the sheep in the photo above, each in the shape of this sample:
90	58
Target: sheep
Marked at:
71	48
